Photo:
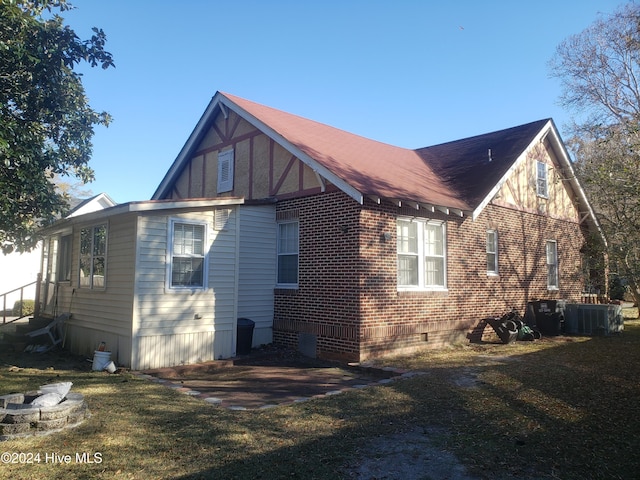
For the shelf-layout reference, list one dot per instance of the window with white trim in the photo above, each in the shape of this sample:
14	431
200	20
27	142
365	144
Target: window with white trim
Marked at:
552	264
187	265
421	247
225	171
492	252
288	253
93	257
541	180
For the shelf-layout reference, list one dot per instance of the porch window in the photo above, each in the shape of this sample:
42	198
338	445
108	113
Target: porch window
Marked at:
288	244
492	252
541	180
93	256
552	265
421	251
64	258
187	255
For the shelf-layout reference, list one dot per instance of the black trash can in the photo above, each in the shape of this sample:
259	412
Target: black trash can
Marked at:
245	336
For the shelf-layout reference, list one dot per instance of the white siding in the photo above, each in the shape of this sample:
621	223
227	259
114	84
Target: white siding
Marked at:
172	327
257	269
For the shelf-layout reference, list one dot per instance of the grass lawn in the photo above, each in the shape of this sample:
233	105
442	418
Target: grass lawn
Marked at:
562	408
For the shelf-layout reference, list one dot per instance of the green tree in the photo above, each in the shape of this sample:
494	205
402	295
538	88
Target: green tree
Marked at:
599	70
46	122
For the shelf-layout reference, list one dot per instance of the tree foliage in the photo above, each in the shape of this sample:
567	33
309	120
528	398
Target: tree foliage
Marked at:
46	122
599	69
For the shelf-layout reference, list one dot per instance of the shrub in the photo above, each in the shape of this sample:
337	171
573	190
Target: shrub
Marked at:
28	307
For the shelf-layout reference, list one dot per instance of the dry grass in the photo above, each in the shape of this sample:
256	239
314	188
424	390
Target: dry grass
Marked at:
558	408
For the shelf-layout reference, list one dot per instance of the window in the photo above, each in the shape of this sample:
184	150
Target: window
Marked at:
421	254
492	252
64	258
541	179
288	241
187	255
225	171
552	265
93	256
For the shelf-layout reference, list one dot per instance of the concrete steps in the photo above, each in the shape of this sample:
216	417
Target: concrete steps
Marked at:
14	336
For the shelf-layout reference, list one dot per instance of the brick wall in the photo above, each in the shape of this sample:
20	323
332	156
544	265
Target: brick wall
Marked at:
347	295
326	302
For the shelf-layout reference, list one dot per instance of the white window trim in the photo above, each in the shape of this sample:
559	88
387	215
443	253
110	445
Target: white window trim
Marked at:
278	253
557	264
495	272
225	159
422	287
539	179
169	259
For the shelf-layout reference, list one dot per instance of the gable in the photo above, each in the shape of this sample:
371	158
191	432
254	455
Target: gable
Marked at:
519	191
236	159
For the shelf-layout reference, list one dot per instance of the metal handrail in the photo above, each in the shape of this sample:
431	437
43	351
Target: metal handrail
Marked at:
4	302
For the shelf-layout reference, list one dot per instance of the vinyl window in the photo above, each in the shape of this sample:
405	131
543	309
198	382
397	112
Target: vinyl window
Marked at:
288	253
552	265
187	265
492	252
541	179
421	250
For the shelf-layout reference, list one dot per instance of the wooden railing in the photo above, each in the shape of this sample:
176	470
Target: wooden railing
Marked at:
20	313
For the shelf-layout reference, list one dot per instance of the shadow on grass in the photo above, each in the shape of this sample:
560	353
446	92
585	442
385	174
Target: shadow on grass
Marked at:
568	410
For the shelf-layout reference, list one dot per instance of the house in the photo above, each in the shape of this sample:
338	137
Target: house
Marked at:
334	244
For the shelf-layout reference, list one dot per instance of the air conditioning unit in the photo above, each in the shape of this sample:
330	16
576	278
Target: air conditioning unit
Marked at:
590	319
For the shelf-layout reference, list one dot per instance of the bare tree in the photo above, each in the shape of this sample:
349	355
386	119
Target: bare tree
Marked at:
599	69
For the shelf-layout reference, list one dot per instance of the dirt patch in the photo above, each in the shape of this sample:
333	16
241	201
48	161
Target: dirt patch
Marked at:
411	455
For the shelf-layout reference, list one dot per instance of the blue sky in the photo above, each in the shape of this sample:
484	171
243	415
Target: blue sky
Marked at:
409	73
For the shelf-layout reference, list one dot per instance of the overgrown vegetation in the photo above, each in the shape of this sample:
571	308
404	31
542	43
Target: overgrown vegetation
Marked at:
557	408
23	308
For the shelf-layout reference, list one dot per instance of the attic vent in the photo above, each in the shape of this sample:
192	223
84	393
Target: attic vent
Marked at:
221	217
225	171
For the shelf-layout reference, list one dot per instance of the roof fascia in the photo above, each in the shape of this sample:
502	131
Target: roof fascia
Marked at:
563	155
142	207
317	168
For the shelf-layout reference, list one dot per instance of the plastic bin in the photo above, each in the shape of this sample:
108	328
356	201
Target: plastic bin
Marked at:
244	339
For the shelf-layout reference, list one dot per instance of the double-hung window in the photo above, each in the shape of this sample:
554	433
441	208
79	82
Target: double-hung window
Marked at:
552	264
421	247
93	256
288	245
187	264
541	180
492	252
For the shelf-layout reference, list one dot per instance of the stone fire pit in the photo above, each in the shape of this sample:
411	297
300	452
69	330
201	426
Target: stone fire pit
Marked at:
20	418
